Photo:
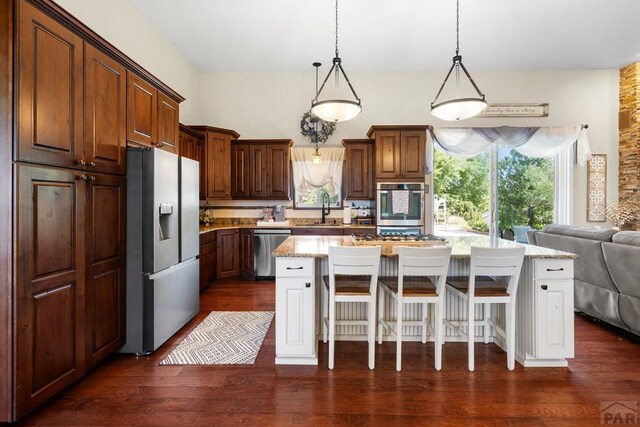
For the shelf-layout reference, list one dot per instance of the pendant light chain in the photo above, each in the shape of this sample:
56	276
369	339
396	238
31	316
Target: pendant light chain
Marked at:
457	27
337	28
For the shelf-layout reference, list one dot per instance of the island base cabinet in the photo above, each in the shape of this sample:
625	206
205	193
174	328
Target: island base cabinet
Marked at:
296	341
554	314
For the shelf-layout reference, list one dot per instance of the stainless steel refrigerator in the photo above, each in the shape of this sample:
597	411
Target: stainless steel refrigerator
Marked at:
162	247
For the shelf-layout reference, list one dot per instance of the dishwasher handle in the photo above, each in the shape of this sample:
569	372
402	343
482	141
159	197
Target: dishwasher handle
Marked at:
262	231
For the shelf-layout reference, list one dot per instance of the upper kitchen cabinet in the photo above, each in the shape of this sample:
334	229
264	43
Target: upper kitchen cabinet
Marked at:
50	90
215	165
260	169
359	182
190	143
105	112
152	116
400	152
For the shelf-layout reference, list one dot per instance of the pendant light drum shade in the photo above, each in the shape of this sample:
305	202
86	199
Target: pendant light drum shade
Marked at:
336	110
459	109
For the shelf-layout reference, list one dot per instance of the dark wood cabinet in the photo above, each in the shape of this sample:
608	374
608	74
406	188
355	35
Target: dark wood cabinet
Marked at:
399	152
261	169
191	146
50	283
50	92
207	258
105	118
227	253
142	111
359	176
105	290
168	116
246	252
215	165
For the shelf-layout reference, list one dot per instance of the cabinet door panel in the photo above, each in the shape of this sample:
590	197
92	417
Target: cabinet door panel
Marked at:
257	171
412	154
168	114
278	172
49	283
218	167
105	112
246	252
358	170
295	332
240	171
227	253
387	155
50	90
141	111
105	288
554	319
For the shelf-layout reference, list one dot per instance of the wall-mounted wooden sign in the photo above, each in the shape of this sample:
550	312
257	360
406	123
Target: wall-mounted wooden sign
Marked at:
516	110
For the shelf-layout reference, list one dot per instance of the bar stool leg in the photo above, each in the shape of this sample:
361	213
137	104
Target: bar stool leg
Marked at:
471	334
511	341
332	331
487	328
438	335
381	313
399	334
325	303
426	318
371	329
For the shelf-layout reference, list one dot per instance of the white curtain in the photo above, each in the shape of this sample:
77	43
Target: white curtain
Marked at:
308	176
528	141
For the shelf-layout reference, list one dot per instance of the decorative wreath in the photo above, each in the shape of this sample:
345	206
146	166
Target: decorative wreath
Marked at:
316	129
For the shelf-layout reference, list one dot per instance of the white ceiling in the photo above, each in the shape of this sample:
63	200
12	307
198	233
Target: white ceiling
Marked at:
399	35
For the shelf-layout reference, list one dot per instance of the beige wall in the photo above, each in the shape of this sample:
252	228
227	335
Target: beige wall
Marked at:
270	106
122	25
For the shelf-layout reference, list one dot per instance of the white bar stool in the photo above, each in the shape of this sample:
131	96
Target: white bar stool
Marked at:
414	284
480	287
353	277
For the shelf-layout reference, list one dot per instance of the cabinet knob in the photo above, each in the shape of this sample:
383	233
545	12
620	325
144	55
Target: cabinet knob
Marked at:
397	174
544	287
307	285
92	178
81	163
92	164
82	177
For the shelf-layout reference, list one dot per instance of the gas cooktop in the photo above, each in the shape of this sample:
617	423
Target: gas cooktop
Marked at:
396	238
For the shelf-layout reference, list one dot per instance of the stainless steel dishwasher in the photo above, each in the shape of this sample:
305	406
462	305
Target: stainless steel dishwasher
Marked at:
264	242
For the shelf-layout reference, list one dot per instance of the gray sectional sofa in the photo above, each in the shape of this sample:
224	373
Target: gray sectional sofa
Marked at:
607	272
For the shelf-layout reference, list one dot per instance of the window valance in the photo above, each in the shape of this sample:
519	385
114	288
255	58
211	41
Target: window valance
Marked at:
528	141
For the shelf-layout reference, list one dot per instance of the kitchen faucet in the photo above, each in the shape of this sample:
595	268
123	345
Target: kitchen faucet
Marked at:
328	211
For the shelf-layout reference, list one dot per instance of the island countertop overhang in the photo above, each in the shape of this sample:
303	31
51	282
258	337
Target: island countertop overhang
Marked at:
318	247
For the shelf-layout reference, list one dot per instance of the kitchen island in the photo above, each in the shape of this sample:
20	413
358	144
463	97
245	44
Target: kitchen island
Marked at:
544	310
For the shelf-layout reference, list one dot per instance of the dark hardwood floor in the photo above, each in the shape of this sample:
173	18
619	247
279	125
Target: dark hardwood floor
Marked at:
129	390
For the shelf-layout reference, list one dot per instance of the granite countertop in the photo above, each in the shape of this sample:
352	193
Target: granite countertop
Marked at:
318	246
222	226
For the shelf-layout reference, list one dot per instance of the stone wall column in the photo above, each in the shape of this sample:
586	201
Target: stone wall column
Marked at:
629	140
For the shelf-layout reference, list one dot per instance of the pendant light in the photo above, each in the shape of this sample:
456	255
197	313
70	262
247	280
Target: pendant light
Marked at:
458	108
335	110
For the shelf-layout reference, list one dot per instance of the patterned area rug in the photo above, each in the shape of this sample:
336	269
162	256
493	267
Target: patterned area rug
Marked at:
223	338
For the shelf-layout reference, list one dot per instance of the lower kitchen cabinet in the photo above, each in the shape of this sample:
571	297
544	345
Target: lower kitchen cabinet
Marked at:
553	296
296	341
207	258
227	253
246	252
69	306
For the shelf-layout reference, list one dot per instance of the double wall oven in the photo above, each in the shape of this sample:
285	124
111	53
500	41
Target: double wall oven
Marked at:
400	208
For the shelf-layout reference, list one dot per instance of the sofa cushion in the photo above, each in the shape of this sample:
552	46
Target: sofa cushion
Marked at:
627	238
597	302
623	262
590	266
601	234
